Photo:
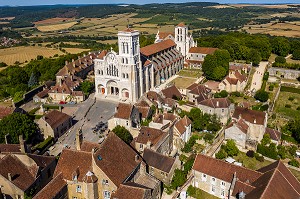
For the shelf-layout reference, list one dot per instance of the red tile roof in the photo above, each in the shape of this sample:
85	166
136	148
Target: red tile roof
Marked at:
252	116
116	159
202	50
212	85
5	111
239	124
53	188
150	134
216	102
163	35
171	91
274	134
43	93
56	118
181	25
10	148
144	110
102	54
212	167
198	89
158	161
123	111
155	48
133	192
182	124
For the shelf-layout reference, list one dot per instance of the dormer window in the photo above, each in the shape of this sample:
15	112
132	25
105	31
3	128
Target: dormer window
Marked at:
78	189
75	178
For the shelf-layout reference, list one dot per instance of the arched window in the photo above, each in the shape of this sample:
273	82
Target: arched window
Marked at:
126	60
180	38
177	38
127	76
178	31
122	60
99	72
123	47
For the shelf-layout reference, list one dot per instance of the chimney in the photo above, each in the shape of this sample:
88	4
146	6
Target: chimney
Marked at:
66	63
60	82
9	176
148	144
7	138
79	139
22	144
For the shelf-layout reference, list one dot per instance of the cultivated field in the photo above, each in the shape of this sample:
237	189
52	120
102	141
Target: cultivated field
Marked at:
25	53
75	50
56	27
288	29
53	21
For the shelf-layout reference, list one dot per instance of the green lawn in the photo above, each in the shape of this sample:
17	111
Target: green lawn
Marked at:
183	82
296	173
283	101
250	163
194	73
199	194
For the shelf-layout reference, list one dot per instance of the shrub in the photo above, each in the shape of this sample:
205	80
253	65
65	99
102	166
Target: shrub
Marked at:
250	153
294	163
191	190
221	94
287	106
221	154
236	94
280	59
298	108
260	158
291	98
123	133
231	148
271	87
262	96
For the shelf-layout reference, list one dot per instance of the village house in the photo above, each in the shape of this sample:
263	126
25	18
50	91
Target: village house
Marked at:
225	180
196	55
54	124
196	93
154	139
239	132
163	121
171	92
284	73
41	96
99	171
126	115
145	110
256	122
160	166
182	132
222	107
234	82
274	135
22	173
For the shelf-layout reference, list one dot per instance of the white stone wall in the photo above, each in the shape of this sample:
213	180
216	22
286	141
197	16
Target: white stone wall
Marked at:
237	135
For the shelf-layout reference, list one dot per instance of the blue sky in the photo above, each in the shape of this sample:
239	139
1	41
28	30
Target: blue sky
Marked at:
52	2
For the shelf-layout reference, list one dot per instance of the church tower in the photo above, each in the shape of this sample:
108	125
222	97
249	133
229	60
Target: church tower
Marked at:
181	35
129	57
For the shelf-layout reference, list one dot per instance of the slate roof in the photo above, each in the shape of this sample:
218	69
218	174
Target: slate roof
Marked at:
251	116
158	161
155	48
56	118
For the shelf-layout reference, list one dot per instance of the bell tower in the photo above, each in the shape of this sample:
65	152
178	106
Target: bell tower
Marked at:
181	32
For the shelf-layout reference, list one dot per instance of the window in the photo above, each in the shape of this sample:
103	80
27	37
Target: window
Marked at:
106	194
222	192
127	123
75	177
213	180
213	189
204	177
78	188
105	182
141	146
222	183
222	110
74	197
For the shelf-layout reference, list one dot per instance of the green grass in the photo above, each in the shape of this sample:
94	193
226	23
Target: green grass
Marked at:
199	194
282	101
183	82
295	173
194	73
290	89
250	163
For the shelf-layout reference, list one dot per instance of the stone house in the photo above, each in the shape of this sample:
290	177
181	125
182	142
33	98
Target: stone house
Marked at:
257	122
171	92
274	135
55	124
41	96
99	171
160	166
22	173
196	55
182	132
225	180
126	115
197	93
222	107
234	82
237	131
154	139
284	73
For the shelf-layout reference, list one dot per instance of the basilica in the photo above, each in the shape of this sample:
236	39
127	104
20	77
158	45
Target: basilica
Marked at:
127	75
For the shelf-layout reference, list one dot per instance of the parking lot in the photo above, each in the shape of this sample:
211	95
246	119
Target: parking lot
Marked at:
88	115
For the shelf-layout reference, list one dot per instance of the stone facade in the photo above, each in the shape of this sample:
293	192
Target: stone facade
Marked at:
284	73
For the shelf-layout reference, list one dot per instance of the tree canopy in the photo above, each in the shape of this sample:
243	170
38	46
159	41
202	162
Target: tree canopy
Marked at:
17	124
123	133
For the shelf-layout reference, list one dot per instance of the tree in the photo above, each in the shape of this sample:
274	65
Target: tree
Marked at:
17	124
293	127
32	80
221	94
123	133
2	64
218	73
261	95
86	87
178	179
231	148
294	163
280	59
221	154
280	46
254	57
296	54
266	140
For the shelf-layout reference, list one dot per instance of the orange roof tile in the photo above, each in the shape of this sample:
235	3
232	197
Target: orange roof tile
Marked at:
202	50
155	48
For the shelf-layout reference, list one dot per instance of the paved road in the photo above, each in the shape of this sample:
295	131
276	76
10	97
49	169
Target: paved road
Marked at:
258	76
89	113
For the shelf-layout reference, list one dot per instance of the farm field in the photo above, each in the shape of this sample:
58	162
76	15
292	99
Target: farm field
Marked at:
25	53
288	29
56	27
53	21
75	50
